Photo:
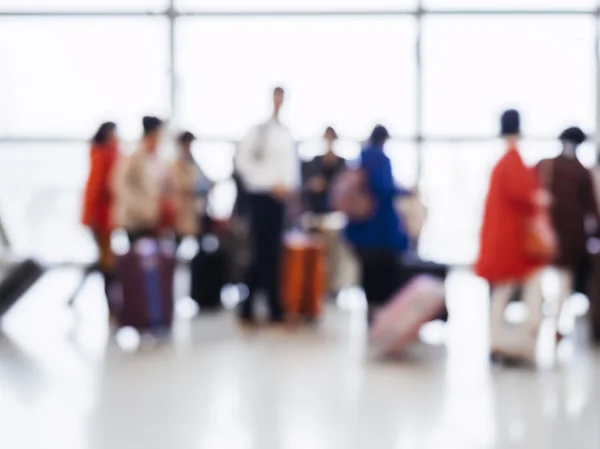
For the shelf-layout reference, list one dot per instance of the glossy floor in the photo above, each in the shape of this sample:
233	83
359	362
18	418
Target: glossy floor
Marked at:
64	382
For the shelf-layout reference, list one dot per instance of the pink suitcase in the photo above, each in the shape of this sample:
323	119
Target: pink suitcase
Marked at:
397	325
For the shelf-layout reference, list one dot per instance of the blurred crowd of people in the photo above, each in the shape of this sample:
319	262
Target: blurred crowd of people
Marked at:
534	217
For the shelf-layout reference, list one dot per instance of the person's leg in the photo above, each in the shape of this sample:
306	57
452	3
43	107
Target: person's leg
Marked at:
533	298
501	295
102	265
253	277
391	276
178	241
133	236
565	288
271	268
370	281
106	261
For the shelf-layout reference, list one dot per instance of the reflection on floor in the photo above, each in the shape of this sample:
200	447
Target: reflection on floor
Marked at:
64	382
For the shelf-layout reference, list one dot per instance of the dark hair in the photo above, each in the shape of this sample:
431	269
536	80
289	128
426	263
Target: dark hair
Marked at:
574	135
103	133
185	137
331	131
278	91
510	123
379	135
151	124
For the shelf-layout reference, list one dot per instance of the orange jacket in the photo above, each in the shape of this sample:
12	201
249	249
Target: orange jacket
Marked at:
510	204
98	197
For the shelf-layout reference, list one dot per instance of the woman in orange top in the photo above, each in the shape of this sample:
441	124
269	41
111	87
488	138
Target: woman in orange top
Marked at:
98	199
503	261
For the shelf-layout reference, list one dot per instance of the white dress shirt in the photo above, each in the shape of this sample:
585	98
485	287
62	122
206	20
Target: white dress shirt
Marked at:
267	158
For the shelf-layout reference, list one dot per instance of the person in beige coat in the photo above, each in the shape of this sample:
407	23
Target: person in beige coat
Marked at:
141	185
189	188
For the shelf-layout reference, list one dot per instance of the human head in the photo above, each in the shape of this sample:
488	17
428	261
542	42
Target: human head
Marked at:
278	97
184	142
152	131
510	124
106	134
379	136
330	136
574	136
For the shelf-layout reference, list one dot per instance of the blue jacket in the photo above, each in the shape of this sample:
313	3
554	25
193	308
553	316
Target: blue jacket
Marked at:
384	231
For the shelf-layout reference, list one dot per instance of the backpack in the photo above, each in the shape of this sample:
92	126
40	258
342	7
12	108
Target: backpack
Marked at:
350	195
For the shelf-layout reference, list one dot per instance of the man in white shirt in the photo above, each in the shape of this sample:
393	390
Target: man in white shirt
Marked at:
269	168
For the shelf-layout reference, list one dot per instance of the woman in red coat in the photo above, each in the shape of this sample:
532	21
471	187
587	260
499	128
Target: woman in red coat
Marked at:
98	197
512	200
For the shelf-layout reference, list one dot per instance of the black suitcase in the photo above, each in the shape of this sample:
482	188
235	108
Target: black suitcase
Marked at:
209	274
15	280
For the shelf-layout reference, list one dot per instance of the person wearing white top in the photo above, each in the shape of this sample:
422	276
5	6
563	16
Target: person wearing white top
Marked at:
269	168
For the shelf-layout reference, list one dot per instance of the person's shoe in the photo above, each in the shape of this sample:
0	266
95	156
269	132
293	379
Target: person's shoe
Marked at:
247	322
277	320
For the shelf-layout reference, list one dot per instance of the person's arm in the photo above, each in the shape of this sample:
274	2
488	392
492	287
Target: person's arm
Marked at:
590	204
291	165
380	175
94	189
315	182
521	185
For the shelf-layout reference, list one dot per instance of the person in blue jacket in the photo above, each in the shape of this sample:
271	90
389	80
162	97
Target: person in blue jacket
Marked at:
381	240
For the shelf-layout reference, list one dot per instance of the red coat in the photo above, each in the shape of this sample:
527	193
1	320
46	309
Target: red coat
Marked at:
510	203
98	197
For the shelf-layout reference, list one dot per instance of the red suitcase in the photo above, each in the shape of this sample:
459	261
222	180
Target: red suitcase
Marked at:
143	296
304	282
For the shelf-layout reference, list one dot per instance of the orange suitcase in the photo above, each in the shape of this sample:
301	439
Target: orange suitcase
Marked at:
304	280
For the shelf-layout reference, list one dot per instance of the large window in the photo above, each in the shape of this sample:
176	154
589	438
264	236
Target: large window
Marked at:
296	5
41	190
82	5
438	77
476	67
60	77
347	72
482	5
454	185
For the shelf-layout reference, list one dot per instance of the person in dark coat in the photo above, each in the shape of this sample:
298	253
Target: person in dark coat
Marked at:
573	205
321	173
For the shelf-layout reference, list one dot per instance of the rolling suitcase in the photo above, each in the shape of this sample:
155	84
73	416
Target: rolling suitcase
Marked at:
209	274
397	325
413	266
15	280
304	281
143	292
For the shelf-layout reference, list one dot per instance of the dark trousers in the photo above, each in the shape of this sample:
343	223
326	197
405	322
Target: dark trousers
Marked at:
134	236
266	232
381	277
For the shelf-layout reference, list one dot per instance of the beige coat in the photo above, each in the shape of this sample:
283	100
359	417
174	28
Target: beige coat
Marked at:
140	185
187	203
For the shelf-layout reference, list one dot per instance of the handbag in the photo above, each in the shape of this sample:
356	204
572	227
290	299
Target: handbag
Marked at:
540	238
350	195
413	213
